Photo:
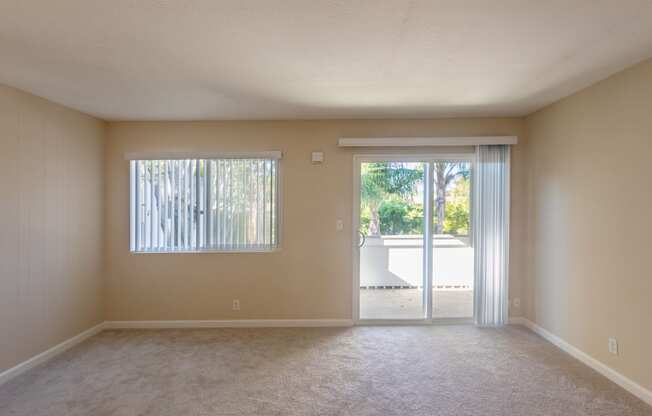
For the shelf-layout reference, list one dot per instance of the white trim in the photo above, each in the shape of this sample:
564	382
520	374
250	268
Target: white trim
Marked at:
214	251
414	157
279	205
38	359
270	154
427	252
235	323
414	322
355	225
624	382
392	322
424	141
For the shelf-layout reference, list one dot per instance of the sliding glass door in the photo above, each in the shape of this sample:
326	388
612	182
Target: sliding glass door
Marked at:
452	260
415	260
392	227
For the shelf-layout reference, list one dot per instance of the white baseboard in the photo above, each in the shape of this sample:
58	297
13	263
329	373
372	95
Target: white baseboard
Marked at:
236	323
48	354
624	382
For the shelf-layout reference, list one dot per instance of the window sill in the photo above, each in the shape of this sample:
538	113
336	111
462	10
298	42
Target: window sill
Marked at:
235	251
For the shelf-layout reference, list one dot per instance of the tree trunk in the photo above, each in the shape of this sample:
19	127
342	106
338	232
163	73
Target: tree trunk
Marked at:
440	196
374	222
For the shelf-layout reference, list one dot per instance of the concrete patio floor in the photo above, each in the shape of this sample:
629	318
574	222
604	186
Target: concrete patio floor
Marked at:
407	304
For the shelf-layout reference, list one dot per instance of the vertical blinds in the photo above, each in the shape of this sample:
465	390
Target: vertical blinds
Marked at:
204	205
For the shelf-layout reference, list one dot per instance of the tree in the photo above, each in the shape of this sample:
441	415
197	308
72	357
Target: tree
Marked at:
381	180
457	219
444	174
398	217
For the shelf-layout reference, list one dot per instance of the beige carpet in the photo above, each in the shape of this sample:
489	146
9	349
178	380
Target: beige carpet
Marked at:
440	370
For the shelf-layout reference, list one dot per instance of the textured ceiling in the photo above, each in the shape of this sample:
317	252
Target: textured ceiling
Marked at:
287	59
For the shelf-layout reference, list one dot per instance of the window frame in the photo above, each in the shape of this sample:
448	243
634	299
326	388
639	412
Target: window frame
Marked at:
408	156
264	155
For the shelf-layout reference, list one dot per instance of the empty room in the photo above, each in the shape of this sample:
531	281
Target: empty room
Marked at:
325	207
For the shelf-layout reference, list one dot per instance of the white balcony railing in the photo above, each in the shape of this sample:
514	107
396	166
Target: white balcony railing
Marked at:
397	261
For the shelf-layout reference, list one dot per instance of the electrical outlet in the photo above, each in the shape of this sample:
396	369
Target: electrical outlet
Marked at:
339	225
517	302
613	346
236	304
317	157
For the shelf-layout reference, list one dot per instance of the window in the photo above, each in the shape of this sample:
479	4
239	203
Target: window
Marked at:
212	204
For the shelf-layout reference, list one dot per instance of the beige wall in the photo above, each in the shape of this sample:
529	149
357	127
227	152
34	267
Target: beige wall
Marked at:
51	224
311	276
591	193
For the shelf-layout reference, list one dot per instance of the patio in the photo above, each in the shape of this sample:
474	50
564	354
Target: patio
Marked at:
391	277
407	303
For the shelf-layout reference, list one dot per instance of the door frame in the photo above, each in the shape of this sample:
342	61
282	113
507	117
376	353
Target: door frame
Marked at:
406	156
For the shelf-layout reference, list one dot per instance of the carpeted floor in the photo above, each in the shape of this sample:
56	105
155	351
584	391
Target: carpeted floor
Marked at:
418	370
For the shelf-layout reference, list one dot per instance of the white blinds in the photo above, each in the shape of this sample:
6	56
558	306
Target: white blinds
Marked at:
204	205
491	235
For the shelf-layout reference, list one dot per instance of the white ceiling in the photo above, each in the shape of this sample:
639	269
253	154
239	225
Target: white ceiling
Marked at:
287	59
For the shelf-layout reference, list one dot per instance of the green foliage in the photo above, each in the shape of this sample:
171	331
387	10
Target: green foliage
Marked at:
400	218
457	215
456	221
382	179
387	199
396	217
365	219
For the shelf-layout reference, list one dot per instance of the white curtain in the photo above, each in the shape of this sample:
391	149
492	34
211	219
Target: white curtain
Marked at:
491	235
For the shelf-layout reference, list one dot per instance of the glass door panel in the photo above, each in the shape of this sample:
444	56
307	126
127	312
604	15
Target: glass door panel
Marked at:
452	260
392	228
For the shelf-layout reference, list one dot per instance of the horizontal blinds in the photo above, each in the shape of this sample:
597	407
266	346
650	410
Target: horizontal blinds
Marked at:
204	205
